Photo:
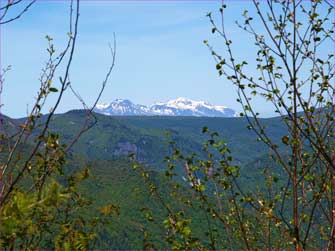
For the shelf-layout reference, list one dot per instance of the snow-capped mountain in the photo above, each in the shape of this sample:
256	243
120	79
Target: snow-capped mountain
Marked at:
177	107
122	107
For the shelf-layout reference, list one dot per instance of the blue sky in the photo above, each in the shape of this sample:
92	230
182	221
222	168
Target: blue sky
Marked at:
160	52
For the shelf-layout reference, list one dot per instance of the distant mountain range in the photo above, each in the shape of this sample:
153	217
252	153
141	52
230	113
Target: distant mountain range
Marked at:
177	107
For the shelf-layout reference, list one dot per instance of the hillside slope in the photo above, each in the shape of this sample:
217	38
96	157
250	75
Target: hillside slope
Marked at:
145	136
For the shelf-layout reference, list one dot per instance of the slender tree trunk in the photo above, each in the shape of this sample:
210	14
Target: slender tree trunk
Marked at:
295	138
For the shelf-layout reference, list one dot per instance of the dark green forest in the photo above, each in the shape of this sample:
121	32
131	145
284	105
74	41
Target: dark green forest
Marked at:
114	179
105	151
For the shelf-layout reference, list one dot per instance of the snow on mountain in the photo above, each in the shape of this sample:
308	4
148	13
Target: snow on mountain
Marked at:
177	107
121	107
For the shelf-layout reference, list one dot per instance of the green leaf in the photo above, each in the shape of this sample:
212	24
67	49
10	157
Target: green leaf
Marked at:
285	139
204	129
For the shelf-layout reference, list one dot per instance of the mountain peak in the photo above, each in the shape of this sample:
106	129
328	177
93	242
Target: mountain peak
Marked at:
181	99
176	107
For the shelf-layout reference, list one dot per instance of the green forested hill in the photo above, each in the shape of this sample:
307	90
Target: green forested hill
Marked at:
105	147
116	182
116	137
